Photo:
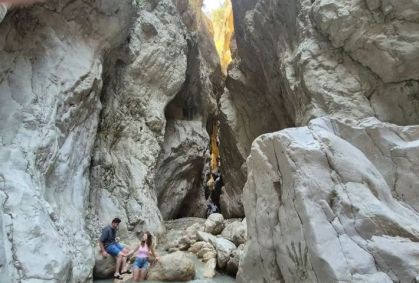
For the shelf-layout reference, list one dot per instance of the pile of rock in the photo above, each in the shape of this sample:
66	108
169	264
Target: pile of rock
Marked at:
217	242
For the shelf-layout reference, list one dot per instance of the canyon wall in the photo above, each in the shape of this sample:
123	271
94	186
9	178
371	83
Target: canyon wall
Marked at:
348	184
86	88
51	79
305	59
222	23
180	173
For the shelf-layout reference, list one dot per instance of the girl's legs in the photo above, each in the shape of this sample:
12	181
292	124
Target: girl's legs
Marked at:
143	273
136	274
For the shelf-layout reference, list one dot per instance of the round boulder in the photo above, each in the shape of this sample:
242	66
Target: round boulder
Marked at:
104	267
214	224
235	232
176	266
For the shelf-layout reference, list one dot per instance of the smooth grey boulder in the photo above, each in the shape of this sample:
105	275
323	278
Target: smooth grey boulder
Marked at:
172	267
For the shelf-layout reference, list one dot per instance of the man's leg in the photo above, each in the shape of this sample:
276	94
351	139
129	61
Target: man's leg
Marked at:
118	263
124	264
115	251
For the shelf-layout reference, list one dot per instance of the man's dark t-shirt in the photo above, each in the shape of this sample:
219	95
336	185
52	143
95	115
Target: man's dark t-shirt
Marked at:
108	236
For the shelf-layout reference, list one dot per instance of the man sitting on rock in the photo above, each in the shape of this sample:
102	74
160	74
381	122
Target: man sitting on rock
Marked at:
109	246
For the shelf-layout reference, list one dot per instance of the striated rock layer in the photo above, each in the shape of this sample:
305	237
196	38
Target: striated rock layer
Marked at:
297	60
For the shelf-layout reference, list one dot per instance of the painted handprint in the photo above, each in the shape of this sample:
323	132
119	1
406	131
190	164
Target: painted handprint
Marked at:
300	260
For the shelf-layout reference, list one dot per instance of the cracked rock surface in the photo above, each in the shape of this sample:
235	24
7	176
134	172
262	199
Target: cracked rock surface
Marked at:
51	63
83	91
323	204
298	60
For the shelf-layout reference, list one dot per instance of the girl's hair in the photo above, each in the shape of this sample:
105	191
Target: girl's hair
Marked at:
149	239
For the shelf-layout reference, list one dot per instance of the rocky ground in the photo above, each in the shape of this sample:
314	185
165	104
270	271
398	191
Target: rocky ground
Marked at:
217	243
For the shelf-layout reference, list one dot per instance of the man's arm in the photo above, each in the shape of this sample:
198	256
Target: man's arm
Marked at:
102	249
133	251
102	239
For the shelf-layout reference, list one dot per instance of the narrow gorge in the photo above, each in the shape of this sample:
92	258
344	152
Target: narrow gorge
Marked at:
296	121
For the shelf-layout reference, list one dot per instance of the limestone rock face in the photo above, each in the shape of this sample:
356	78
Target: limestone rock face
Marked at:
223	29
364	31
163	81
297	60
51	65
84	87
179	178
172	267
324	204
133	123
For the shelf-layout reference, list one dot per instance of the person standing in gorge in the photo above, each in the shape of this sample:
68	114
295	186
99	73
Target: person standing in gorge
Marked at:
109	246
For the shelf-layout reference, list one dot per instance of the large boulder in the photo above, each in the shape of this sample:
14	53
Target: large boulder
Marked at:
176	266
224	249
320	206
104	266
235	232
214	224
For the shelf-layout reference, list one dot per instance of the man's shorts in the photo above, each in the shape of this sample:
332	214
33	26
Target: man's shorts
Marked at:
141	262
114	249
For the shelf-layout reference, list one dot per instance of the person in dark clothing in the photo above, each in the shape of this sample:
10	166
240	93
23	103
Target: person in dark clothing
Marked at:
215	195
211	208
109	246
